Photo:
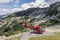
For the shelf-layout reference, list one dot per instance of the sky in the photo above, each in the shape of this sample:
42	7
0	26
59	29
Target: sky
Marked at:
11	6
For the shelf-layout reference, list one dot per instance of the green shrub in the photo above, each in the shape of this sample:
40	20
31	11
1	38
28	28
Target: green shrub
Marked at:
47	23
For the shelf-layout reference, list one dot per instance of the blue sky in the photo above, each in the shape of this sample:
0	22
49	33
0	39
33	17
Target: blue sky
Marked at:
11	6
26	1
18	3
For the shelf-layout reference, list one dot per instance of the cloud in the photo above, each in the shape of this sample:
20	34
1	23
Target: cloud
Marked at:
3	11
16	1
37	3
52	1
15	10
5	1
9	11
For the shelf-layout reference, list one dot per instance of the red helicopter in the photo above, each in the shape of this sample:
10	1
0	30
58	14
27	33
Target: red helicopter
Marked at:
38	29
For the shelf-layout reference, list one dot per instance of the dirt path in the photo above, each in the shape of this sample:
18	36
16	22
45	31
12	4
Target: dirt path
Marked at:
12	36
26	36
49	31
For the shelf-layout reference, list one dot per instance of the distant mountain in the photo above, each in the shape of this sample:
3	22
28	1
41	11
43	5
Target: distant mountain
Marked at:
26	12
2	16
33	13
14	21
54	11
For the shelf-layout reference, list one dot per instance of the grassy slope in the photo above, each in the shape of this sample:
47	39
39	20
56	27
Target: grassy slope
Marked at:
15	38
55	37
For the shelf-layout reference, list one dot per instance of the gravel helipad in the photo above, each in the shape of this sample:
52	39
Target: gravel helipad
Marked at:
27	35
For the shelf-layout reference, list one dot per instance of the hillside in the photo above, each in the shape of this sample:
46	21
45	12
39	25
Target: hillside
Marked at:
12	24
54	11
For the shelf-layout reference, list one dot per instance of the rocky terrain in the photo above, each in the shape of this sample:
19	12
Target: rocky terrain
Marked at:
13	23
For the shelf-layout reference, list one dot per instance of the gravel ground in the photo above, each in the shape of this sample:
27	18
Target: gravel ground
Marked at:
27	35
49	31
